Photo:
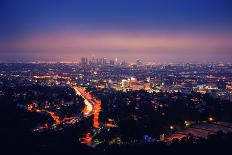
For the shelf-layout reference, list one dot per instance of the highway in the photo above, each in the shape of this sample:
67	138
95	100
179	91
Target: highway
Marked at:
92	107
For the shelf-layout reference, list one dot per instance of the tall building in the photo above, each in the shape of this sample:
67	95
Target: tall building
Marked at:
99	61
104	61
116	61
84	61
92	61
139	62
112	62
123	63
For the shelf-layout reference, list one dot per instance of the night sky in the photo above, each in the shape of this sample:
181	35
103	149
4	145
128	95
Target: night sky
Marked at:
151	30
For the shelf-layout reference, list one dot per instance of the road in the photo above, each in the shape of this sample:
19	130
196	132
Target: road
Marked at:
92	107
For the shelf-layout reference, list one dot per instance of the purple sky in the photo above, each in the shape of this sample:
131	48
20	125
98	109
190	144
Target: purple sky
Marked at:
158	30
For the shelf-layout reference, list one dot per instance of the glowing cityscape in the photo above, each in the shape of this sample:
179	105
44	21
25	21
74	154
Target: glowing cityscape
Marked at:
115	77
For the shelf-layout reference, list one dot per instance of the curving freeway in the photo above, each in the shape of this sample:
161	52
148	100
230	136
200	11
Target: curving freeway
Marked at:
92	107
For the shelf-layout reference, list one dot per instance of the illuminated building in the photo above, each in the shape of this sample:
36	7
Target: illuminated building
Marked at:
104	61
133	81
125	84
139	62
111	62
147	86
84	61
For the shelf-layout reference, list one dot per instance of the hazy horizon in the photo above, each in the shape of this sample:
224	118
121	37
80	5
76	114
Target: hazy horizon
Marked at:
159	30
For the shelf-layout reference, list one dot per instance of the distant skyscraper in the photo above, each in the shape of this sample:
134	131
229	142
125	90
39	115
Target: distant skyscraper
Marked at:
139	62
116	61
92	61
111	62
99	61
104	61
123	63
84	61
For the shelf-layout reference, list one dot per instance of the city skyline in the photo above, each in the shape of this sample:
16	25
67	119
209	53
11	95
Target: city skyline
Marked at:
115	77
162	31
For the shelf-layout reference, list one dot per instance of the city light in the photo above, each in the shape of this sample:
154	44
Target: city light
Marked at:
116	77
171	127
211	119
